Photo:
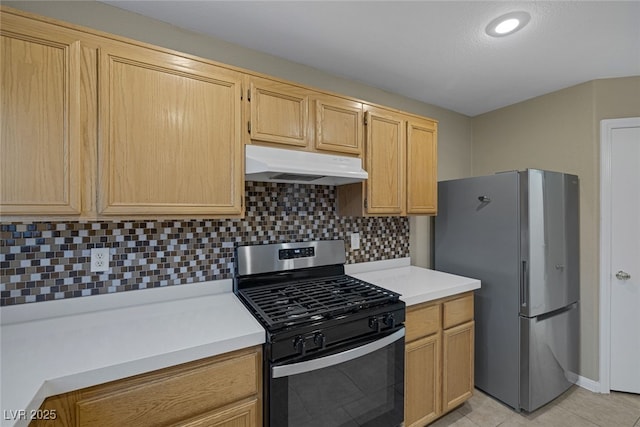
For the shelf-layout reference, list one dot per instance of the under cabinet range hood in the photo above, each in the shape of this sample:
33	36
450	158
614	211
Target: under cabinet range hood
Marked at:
280	165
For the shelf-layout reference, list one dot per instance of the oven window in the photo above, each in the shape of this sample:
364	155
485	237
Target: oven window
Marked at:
365	391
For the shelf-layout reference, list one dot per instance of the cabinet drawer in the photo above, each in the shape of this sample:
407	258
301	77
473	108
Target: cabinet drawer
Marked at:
421	321
458	311
171	395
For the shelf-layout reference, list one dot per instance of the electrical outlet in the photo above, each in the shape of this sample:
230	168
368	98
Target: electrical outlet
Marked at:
100	259
355	241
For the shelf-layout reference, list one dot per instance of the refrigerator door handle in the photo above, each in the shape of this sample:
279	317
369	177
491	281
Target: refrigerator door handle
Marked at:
557	312
524	285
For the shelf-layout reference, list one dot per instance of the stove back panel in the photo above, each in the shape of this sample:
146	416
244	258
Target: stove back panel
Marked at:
259	259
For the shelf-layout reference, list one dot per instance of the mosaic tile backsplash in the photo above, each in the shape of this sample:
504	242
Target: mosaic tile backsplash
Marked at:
41	261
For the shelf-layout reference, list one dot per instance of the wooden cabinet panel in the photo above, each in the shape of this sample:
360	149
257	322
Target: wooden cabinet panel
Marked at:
422	167
422	385
176	396
458	370
385	158
238	415
102	127
170	135
422	321
338	125
457	311
60	411
279	113
40	101
401	159
448	352
225	390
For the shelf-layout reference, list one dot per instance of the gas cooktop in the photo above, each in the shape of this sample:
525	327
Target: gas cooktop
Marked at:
298	302
305	301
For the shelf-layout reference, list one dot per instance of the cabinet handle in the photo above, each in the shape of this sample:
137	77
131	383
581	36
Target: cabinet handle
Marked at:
366	118
249	126
524	285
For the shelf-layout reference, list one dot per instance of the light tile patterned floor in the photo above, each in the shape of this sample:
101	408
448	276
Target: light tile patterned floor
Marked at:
575	408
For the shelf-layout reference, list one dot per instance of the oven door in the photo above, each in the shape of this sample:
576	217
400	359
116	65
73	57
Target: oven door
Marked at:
360	384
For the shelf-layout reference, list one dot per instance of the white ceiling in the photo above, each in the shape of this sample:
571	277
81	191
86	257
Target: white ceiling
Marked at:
433	51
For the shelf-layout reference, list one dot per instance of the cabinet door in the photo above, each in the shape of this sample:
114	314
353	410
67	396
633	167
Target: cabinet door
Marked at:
224	390
279	113
338	125
238	415
422	381
422	167
40	98
457	373
385	159
170	135
172	395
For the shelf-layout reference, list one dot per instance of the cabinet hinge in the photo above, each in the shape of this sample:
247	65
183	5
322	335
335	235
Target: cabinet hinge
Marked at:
366	118
249	126
249	95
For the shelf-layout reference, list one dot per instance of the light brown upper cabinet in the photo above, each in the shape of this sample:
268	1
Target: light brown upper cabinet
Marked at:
385	159
40	166
95	126
338	124
98	126
278	113
422	167
290	116
401	159
170	141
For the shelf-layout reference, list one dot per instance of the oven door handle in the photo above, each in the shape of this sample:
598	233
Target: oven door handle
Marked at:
335	359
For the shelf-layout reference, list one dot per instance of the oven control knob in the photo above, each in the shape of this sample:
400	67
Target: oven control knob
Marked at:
320	340
300	345
374	323
389	320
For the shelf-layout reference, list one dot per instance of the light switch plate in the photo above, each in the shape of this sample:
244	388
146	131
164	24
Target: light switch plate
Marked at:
355	241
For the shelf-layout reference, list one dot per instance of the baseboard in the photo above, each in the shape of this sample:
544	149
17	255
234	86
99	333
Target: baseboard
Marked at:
588	384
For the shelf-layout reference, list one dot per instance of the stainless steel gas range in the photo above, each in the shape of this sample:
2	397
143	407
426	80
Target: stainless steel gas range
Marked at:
334	353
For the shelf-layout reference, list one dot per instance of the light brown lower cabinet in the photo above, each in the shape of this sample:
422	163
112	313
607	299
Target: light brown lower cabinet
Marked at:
237	415
422	397
438	358
457	369
221	391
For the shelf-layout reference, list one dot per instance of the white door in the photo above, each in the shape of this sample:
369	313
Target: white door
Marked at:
623	135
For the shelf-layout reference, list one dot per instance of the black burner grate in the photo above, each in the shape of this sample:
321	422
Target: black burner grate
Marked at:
298	302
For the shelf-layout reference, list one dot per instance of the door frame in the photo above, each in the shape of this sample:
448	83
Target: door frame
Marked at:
606	130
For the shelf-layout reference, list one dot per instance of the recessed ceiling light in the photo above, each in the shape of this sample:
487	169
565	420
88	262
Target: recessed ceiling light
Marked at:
507	24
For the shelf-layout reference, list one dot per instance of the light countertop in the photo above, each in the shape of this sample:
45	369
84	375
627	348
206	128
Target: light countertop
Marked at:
155	328
417	285
54	347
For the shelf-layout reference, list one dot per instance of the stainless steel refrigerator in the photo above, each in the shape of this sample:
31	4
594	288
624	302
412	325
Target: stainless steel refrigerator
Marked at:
518	232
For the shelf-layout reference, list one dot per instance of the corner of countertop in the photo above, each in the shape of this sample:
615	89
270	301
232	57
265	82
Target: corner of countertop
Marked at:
385	264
